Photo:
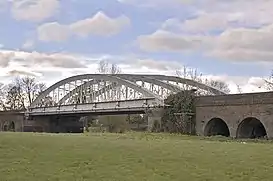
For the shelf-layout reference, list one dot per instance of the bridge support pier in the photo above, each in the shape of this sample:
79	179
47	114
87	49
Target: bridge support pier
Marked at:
154	119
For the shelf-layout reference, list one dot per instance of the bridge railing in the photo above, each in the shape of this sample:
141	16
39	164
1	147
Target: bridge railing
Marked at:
111	106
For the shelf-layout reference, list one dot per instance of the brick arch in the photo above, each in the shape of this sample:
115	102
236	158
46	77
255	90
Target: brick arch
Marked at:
5	125
251	127
216	126
12	126
8	126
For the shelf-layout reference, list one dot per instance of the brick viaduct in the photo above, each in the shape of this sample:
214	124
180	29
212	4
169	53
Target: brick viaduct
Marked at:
237	115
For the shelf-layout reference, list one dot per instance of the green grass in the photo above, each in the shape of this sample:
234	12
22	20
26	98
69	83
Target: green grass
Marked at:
131	157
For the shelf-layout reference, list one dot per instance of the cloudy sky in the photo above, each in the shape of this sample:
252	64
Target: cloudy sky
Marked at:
231	40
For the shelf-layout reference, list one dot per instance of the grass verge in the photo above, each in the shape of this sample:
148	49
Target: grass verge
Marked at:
131	156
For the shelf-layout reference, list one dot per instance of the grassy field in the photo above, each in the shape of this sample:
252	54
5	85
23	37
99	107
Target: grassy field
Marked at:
131	157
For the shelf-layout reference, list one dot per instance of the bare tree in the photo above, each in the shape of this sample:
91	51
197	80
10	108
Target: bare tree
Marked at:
239	89
40	88
104	68
189	73
20	93
3	93
31	88
221	85
269	82
114	69
193	74
14	98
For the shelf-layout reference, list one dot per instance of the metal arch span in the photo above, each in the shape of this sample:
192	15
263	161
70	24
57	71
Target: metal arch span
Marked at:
83	87
165	85
107	77
178	80
129	80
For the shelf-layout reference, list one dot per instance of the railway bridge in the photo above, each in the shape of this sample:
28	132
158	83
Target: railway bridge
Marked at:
59	107
236	115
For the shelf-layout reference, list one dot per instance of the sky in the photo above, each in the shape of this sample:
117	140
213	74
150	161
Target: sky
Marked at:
231	41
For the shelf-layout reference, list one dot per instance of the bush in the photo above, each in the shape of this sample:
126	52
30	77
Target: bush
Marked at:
178	117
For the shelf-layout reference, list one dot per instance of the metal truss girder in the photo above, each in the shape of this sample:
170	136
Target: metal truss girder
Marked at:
105	77
165	85
126	80
83	87
183	81
151	80
99	107
76	89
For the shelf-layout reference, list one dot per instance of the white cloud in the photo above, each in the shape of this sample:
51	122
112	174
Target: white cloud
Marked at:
256	81
46	67
54	60
203	23
17	72
5	59
247	84
235	44
159	65
53	32
206	22
247	31
38	60
166	41
243	11
220	14
34	10
244	44
100	24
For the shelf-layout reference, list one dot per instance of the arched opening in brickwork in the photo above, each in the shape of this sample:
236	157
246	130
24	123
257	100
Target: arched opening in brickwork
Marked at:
8	126
11	126
251	128
216	126
5	126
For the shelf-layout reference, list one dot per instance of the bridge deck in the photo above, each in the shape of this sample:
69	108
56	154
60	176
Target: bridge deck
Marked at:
115	107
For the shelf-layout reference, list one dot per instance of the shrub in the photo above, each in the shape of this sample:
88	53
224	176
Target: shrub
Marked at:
177	118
